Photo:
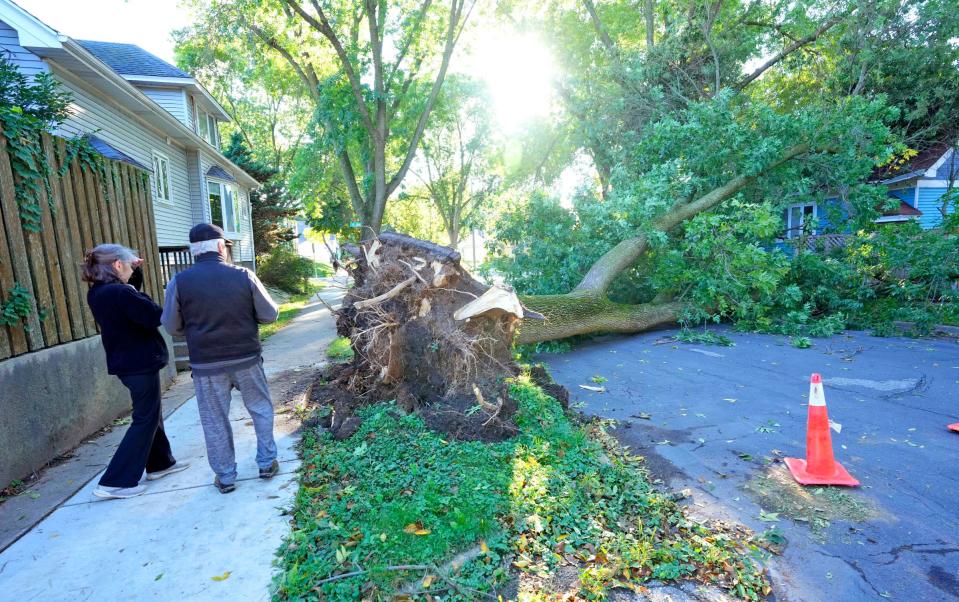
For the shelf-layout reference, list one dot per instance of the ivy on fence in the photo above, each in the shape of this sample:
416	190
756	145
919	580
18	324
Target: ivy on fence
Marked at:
17	307
29	107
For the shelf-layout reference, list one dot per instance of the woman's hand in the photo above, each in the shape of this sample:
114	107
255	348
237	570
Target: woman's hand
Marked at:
136	278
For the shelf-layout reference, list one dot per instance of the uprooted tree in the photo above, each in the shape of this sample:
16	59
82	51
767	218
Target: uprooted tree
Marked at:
424	331
755	154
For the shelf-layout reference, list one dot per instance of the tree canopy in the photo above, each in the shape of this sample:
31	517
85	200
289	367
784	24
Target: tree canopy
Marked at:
698	125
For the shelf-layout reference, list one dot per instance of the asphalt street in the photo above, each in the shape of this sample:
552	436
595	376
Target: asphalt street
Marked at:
717	421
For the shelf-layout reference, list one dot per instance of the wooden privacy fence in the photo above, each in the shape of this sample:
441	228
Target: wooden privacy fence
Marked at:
87	208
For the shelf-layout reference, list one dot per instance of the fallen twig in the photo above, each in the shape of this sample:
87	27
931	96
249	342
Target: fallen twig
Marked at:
400	567
328	306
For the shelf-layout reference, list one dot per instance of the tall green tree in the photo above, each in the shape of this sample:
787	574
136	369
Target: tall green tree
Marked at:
459	166
271	209
371	70
261	93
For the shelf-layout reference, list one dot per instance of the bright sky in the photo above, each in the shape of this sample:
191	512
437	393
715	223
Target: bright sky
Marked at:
146	23
519	71
517	66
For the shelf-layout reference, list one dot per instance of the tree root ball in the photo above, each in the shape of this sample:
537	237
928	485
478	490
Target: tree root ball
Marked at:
428	335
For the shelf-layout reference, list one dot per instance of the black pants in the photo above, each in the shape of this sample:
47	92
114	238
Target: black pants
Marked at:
145	444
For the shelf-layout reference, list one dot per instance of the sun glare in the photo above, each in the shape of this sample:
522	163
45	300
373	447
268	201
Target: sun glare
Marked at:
519	70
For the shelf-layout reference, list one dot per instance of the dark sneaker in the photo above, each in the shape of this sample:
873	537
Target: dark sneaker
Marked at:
223	487
269	473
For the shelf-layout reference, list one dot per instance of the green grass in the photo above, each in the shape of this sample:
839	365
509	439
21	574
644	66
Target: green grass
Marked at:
398	495
288	311
339	350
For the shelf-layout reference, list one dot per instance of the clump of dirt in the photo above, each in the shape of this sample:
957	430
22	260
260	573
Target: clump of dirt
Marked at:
542	378
776	491
411	344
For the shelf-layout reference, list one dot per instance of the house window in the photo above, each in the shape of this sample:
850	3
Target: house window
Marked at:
161	177
207	129
224	206
799	220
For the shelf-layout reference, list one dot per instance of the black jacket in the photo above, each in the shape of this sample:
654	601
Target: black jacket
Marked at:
128	322
217	307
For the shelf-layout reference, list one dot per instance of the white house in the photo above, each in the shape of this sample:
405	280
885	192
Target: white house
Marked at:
140	109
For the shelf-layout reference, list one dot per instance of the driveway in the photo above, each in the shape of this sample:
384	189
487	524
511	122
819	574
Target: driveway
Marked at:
717	421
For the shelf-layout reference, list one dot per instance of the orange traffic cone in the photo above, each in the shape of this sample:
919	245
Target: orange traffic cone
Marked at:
954	427
819	467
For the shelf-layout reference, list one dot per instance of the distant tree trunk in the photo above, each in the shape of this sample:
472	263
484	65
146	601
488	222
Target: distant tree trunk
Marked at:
650	23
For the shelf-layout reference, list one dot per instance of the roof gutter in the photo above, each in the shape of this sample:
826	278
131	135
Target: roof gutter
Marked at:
169	124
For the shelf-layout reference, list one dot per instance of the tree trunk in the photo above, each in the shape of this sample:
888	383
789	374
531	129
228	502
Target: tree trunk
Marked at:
650	23
588	312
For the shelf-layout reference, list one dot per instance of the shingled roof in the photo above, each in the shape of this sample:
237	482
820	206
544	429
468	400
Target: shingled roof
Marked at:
130	59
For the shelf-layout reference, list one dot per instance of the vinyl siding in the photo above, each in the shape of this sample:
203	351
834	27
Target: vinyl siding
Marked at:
28	63
929	203
243	244
94	114
171	99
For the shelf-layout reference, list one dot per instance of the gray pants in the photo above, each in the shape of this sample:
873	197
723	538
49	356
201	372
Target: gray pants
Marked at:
213	394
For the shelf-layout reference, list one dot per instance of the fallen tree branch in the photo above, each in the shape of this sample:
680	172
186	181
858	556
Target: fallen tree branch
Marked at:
385	296
400	567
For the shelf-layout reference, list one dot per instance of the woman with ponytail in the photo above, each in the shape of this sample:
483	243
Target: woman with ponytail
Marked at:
128	321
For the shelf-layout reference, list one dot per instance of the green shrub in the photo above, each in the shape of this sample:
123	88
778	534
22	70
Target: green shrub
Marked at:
289	271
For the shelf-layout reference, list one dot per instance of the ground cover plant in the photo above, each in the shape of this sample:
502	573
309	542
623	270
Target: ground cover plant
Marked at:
339	350
401	510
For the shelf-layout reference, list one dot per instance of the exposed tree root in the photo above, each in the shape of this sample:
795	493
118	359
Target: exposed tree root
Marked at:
427	334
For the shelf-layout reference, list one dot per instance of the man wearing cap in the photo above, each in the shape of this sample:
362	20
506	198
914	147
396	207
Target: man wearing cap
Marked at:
217	307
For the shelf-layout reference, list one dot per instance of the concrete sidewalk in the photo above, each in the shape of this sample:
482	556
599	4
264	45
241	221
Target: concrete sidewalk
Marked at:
182	540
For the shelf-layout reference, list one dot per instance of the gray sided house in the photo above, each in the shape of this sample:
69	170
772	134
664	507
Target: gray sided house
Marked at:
140	109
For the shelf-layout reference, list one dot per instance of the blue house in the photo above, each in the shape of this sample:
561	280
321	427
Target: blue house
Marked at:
920	186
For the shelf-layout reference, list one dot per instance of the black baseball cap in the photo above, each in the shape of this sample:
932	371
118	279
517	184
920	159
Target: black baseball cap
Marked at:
201	232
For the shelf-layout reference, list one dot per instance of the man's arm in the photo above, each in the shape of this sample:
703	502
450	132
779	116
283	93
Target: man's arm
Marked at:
172	319
266	310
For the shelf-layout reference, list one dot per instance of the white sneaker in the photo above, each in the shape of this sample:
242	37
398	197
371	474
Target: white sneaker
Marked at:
153	476
119	493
